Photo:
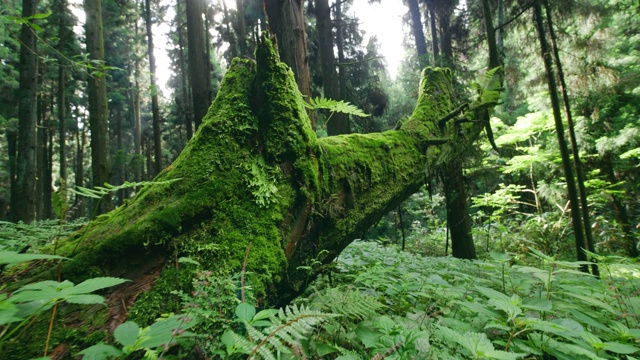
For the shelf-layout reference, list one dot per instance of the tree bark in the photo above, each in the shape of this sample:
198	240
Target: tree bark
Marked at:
562	143
418	32
330	81
435	50
98	110
27	115
186	99
155	110
286	22
574	142
458	219
255	172
241	29
198	76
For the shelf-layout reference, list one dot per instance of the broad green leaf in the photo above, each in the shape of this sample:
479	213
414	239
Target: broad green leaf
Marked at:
537	304
100	352
619	348
40	16
12	257
264	314
8	311
368	337
84	299
127	333
245	312
91	285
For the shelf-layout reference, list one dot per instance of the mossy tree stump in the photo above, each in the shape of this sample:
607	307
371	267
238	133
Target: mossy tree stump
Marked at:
255	172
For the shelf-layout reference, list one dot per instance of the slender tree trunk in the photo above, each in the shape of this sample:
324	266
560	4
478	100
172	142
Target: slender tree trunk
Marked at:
186	99
494	58
330	81
458	219
444	19
574	142
233	43
620	210
65	36
157	136
418	32
435	50
98	110
286	22
241	29
81	143
40	146
198	75
500	34
27	116
343	80
564	151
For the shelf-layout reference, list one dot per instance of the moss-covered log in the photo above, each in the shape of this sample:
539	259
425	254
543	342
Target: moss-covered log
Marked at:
255	172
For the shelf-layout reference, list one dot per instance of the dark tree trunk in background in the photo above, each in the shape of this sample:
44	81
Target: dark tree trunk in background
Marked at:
98	111
418	32
134	93
241	29
155	110
620	210
574	142
494	57
24	194
500	34
342	69
458	219
186	99
286	22
81	144
562	143
65	35
198	70
40	145
435	50
330	82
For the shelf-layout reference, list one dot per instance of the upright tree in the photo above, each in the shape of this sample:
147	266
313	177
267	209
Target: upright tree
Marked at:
562	143
199	76
24	194
339	123
287	23
97	93
418	32
157	136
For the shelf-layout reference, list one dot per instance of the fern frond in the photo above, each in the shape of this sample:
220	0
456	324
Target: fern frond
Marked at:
348	302
335	106
289	326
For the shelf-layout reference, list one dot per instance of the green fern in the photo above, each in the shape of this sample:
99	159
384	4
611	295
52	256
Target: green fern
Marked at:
348	302
283	329
334	106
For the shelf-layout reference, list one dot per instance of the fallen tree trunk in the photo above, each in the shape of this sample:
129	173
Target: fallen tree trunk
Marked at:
255	172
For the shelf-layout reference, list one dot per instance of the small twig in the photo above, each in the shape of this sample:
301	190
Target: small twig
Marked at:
244	268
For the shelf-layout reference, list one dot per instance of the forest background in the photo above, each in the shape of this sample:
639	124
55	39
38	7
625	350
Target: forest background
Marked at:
81	110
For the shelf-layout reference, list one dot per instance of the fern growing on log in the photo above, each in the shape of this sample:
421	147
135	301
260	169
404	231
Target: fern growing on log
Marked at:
270	332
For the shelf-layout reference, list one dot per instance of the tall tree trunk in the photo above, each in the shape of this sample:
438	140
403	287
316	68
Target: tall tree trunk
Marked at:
494	58
574	142
562	143
342	69
435	49
65	35
458	219
186	99
40	145
330	81
157	136
81	144
98	111
620	210
418	32
500	34
286	21
241	29
198	75
27	115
